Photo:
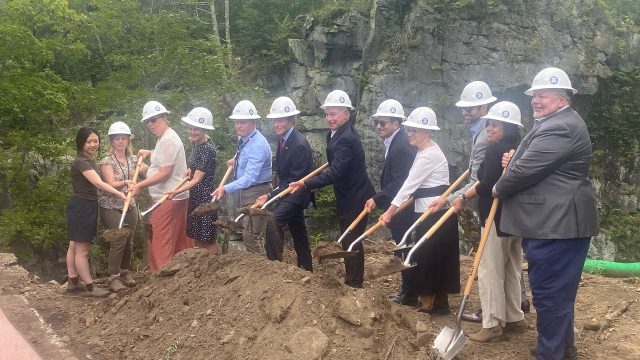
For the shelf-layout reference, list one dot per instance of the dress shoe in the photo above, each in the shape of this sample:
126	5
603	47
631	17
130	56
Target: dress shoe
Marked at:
434	304
517	327
493	335
406	299
476	317
570	353
525	306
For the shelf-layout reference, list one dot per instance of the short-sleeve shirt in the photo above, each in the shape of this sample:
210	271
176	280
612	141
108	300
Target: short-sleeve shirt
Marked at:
82	187
169	151
121	172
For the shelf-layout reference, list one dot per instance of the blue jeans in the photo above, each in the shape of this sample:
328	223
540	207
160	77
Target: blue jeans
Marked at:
555	268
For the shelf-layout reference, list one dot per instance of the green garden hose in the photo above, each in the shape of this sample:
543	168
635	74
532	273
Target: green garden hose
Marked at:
611	269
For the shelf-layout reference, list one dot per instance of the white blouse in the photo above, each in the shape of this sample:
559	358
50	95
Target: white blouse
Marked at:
429	169
169	151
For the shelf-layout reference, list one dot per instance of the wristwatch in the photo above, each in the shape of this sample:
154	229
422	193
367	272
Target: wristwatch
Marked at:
463	198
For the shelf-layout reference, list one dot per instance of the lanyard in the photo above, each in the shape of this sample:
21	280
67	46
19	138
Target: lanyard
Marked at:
241	146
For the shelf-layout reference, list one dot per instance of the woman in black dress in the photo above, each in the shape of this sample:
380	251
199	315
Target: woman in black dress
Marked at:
202	170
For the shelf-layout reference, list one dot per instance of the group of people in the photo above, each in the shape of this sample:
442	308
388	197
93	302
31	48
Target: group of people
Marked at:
547	203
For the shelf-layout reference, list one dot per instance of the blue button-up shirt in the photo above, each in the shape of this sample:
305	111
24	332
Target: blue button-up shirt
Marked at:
254	163
286	135
474	131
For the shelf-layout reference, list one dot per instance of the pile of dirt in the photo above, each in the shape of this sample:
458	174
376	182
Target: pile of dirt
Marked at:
243	306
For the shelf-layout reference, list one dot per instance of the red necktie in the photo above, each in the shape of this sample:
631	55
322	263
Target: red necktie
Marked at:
281	144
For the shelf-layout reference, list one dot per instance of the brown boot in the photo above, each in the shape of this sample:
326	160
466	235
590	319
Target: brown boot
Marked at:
493	334
127	280
81	287
517	327
425	303
96	292
116	285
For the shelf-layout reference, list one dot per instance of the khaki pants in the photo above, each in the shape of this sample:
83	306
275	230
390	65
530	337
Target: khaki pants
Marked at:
120	251
253	226
499	280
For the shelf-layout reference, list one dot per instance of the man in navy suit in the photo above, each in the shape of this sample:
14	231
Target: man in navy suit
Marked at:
348	176
398	159
293	161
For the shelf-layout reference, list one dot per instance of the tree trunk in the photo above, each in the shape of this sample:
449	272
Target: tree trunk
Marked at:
4	61
214	21
227	32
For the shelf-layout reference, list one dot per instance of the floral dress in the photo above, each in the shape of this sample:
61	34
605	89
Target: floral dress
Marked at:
121	172
202	158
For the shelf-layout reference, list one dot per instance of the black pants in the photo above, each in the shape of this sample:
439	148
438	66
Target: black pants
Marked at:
354	266
287	213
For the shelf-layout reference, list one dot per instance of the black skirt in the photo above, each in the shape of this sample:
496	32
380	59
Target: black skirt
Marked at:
438	259
82	219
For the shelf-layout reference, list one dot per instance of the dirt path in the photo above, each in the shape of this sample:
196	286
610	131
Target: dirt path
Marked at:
241	306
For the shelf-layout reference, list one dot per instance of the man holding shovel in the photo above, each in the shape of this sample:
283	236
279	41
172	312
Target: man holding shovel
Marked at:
294	160
548	199
348	176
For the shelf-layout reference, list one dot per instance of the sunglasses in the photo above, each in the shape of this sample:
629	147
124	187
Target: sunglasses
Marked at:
152	120
468	109
381	122
411	131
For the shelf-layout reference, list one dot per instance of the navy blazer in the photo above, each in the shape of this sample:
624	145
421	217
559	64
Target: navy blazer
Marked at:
347	172
293	163
397	164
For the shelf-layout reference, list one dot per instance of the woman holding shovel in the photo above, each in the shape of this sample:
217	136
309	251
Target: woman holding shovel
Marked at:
437	272
202	170
117	170
82	212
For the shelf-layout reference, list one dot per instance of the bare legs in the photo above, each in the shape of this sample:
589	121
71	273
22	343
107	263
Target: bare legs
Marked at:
78	260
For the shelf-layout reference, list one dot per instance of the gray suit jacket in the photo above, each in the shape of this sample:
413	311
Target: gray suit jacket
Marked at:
546	192
477	157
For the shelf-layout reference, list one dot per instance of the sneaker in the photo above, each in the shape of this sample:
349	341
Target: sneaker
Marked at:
127	280
76	288
116	285
97	293
517	327
493	335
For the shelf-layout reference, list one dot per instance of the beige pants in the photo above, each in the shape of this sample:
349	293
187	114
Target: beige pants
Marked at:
499	280
253	226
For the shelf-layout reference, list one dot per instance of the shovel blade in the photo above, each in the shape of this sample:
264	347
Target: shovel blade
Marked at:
339	255
448	343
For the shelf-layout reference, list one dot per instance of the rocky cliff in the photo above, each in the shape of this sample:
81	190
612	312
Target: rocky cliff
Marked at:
426	52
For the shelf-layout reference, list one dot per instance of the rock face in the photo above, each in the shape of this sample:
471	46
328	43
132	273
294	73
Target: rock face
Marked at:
429	58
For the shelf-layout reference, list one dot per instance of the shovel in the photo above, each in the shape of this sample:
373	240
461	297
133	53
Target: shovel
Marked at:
117	234
283	193
345	254
449	342
211	207
155	206
403	243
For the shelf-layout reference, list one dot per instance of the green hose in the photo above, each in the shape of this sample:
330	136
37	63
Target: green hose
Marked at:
611	269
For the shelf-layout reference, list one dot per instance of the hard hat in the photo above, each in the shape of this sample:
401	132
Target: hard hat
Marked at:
153	108
337	98
551	78
391	108
282	107
199	117
422	118
475	94
119	128
244	110
505	111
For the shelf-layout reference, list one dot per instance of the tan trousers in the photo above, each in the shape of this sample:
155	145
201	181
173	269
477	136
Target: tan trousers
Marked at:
499	280
253	226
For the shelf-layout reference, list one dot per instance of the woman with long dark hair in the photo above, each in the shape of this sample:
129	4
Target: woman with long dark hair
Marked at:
82	212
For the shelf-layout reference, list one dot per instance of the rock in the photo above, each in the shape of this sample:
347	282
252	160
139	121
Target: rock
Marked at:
227	339
25	289
593	325
119	305
306	280
53	283
308	344
65	339
209	312
89	320
287	281
194	323
421	327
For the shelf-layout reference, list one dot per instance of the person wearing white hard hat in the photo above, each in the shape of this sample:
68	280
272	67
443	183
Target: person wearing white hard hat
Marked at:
501	264
549	200
437	271
168	165
348	175
252	176
201	172
117	169
294	160
399	156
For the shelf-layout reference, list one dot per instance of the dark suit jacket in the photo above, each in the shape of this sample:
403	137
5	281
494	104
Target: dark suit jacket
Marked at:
546	191
396	169
293	163
347	172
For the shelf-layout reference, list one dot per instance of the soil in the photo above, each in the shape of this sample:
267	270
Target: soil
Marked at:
116	234
242	306
227	223
250	211
207	209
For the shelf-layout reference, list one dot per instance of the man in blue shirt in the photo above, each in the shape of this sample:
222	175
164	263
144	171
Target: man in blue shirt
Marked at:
252	165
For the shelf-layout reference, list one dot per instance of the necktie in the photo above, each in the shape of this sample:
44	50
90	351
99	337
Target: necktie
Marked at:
235	165
281	144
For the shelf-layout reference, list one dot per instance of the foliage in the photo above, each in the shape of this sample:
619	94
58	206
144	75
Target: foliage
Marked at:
624	233
628	10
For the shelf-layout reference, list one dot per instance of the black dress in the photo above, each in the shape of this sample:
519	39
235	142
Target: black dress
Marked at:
203	158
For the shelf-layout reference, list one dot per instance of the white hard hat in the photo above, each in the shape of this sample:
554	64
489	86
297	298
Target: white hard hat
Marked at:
244	110
505	111
551	78
153	108
391	108
337	98
119	128
199	117
282	107
422	118
475	94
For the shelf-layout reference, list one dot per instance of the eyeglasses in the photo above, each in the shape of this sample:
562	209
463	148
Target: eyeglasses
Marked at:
381	122
468	109
152	120
411	131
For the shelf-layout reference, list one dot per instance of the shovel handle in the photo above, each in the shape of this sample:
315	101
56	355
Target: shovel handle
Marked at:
226	175
357	220
184	180
314	172
483	240
445	194
135	177
379	223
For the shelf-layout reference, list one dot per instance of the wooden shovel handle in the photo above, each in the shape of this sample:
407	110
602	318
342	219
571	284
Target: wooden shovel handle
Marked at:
445	194
135	177
226	175
357	220
379	223
314	172
483	240
184	180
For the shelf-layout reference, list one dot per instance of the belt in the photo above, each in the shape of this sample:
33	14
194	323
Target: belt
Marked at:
256	185
429	192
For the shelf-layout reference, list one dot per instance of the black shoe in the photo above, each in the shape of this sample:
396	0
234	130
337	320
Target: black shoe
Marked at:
354	285
570	353
406	299
525	306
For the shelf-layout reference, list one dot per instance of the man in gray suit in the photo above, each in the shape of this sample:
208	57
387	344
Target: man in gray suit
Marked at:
549	201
